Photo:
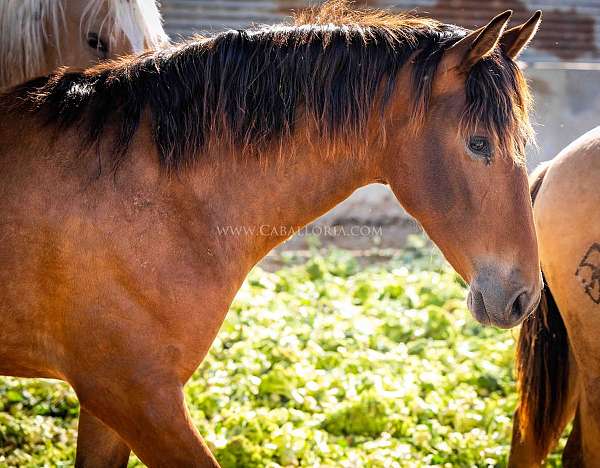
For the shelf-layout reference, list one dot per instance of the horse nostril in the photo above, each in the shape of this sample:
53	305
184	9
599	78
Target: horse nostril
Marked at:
518	307
477	306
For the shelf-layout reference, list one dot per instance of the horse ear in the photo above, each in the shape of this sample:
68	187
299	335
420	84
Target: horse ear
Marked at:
480	43
514	40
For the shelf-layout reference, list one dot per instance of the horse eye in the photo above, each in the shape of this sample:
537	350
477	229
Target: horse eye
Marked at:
97	44
480	146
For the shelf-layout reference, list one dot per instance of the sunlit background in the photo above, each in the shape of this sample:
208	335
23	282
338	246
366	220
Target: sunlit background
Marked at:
353	350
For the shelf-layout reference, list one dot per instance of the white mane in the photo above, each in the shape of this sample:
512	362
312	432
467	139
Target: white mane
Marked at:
26	26
22	36
139	20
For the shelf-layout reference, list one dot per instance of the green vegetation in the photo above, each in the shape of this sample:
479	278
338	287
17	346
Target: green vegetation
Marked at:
325	364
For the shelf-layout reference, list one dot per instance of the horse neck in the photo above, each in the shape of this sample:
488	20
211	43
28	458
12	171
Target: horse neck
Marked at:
287	188
264	202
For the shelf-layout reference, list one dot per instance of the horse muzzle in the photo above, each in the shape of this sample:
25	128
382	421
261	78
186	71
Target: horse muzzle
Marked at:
503	301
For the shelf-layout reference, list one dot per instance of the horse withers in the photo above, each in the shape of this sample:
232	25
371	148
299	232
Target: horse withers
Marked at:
37	36
117	183
558	360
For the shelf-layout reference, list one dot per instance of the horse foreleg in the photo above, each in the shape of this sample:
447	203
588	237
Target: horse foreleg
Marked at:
154	422
98	445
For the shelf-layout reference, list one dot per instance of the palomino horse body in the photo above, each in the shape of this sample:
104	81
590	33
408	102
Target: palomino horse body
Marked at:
37	36
559	351
116	182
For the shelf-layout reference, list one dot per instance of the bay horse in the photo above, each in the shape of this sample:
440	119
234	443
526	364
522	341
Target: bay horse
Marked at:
116	184
558	358
37	36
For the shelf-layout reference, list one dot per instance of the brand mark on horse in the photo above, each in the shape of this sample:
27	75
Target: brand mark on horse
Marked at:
588	272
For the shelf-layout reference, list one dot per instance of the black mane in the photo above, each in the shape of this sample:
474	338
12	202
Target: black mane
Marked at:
249	87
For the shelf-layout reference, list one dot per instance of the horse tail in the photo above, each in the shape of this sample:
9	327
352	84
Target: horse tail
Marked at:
536	179
542	364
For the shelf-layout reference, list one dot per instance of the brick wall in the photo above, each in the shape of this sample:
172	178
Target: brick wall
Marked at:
570	32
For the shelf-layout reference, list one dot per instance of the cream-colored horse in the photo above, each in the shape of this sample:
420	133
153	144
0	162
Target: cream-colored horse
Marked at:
37	36
558	360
